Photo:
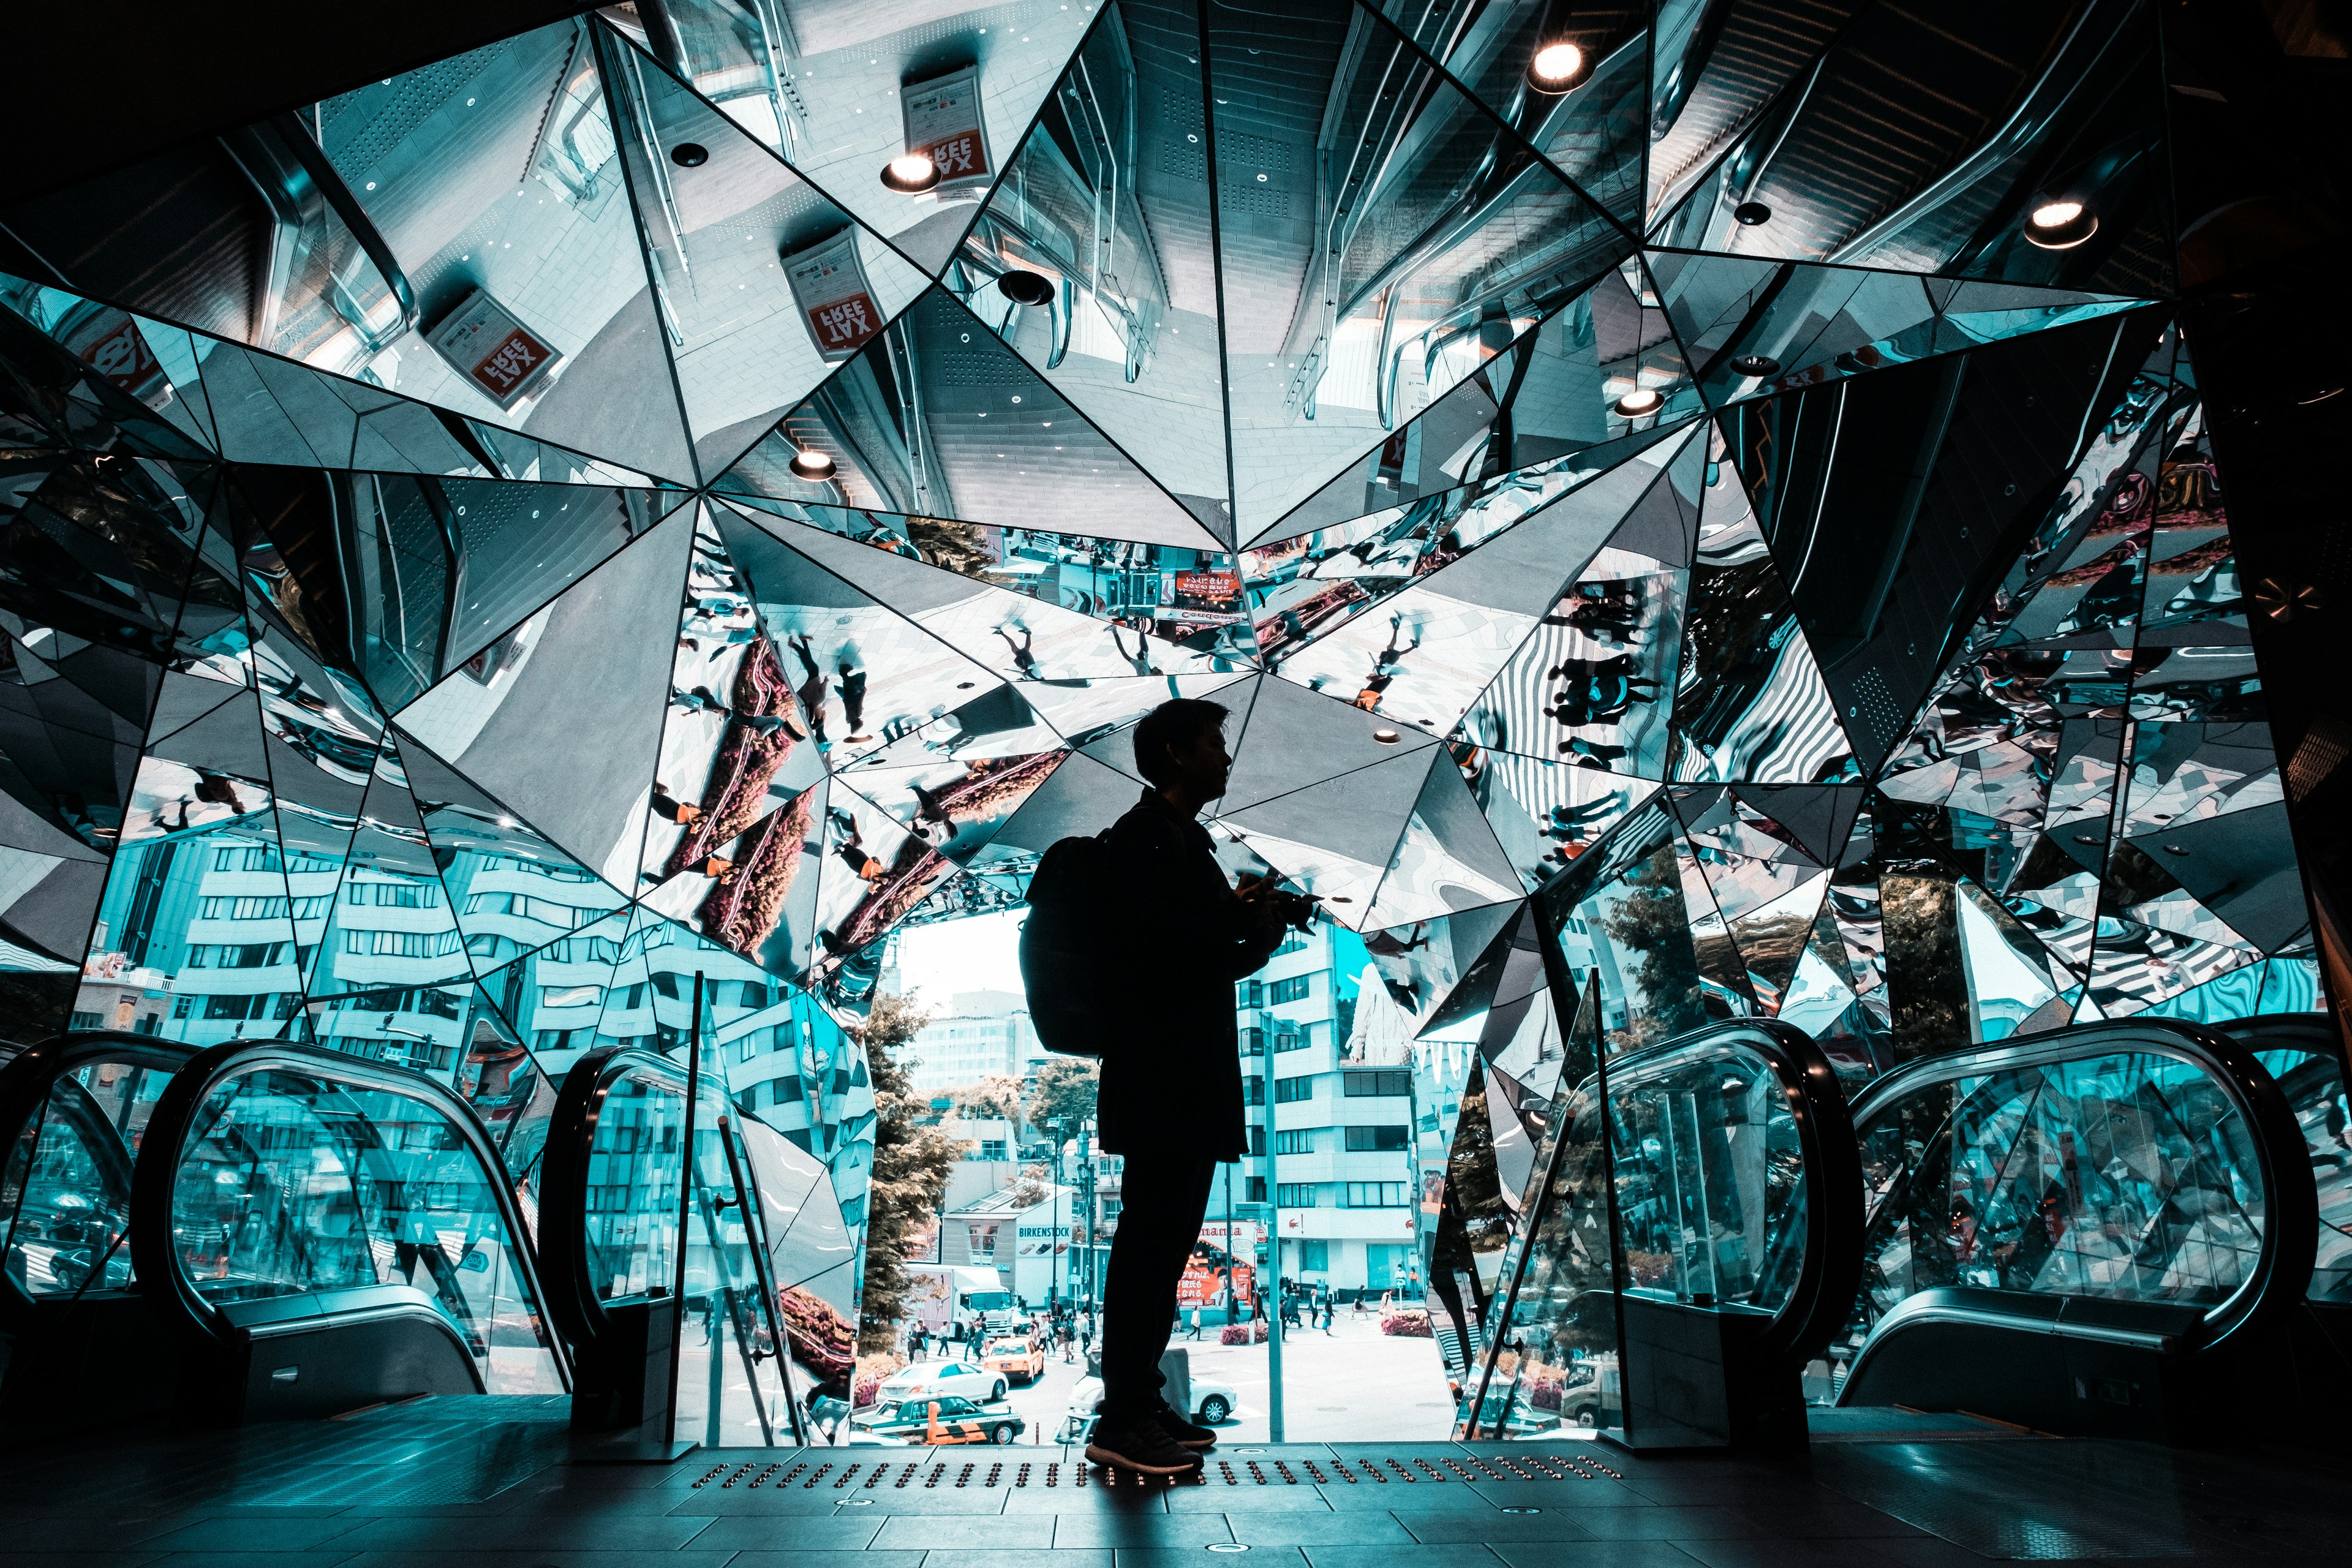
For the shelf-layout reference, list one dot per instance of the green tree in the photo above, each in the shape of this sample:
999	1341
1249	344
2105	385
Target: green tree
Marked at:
995	1097
911	1164
1063	1091
1649	919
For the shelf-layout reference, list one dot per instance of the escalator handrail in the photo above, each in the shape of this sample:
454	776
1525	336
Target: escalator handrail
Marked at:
578	1311
155	1253
2282	1271
25	1085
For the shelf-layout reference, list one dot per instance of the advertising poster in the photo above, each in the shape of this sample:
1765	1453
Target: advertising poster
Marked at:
504	360
836	304
943	118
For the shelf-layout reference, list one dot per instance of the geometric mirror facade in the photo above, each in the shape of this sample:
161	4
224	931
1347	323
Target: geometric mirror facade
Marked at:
560	524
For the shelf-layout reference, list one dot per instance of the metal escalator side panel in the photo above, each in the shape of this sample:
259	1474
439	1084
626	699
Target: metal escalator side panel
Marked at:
2303	1051
589	1152
2192	1137
299	1186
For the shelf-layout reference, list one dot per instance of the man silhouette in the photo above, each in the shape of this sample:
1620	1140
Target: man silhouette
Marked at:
1171	1098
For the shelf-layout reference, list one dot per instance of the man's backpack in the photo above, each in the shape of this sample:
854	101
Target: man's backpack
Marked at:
1068	962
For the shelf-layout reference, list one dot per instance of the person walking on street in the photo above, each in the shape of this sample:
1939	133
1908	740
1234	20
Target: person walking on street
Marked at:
1170	1094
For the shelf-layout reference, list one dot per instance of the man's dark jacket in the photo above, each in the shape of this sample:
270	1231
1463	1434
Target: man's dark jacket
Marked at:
1172	1082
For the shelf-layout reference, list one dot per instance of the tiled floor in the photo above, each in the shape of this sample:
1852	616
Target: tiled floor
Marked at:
486	1483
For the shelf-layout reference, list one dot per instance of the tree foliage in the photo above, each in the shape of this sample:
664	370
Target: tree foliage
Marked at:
911	1164
1064	1091
996	1096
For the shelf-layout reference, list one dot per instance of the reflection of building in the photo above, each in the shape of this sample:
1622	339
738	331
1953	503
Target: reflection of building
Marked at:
985	1034
1026	1232
1342	1194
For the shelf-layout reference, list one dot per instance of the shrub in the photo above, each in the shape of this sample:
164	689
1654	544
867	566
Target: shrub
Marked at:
1407	1325
1543	1394
1243	1334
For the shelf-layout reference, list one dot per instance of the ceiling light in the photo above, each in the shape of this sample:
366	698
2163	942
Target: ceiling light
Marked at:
689	154
1556	67
1025	287
1387	737
1756	364
812	465
910	174
1641	401
2060	225
1752	214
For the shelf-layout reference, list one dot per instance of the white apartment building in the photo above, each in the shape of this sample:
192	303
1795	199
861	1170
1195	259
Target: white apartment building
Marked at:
982	1033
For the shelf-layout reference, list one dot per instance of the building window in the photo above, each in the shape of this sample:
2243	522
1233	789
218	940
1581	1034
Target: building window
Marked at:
1293	942
1249	994
1377	1085
1289	1090
992	1147
1252	1090
1378	1194
1291	1039
84	1021
1300	1141
1376	1140
1294	1195
1252	1041
1314	1258
1255	1189
1294	989
1258	1140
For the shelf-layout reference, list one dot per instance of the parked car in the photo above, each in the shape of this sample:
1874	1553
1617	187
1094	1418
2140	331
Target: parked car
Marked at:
967	1378
938	1419
1214	1405
1019	1357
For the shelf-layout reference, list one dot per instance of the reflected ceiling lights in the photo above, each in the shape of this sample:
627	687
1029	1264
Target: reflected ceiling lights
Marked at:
689	154
1752	214
1756	364
910	174
1025	287
2060	225
1387	737
1641	401
1556	67
812	465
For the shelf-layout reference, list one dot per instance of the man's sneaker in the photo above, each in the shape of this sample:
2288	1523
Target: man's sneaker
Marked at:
1139	1446
1187	1434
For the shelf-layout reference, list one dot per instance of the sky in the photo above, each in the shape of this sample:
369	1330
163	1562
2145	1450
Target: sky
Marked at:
946	957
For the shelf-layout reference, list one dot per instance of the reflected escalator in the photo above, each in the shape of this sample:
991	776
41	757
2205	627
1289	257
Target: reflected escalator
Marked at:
2099	1231
318	1233
78	1343
1728	1171
670	1341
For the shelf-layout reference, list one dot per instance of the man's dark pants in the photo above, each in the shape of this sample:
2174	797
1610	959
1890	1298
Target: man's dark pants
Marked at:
1162	1197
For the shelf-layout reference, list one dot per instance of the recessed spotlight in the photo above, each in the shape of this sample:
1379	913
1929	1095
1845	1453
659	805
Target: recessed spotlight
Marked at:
1752	214
1025	287
812	465
1556	67
1387	737
1641	401
689	154
910	174
1756	364
2060	225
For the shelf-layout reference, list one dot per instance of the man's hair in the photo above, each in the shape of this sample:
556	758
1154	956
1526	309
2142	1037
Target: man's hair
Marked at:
1177	722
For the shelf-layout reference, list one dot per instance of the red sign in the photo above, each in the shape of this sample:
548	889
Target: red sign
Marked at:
507	366
122	356
959	155
843	324
1209	590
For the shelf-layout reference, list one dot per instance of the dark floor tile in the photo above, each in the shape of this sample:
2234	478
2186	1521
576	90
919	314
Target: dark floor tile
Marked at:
1592	1494
1929	1551
1593	1555
79	1559
823	1560
1671	1522
948	1532
1216	1497
1398	1496
1727	1490
983	1557
63	1532
788	1533
1449	1527
534	1557
609	1532
1296	1527
1139	1529
1458	1555
1847	1552
1824	1518
1201	1557
327	1558
789	1500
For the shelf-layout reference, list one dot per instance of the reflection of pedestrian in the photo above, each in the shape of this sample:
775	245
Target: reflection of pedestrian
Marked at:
685	813
853	851
812	688
853	697
1591	753
1023	656
1141	658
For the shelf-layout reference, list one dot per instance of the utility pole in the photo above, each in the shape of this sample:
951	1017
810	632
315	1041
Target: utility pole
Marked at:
1273	1266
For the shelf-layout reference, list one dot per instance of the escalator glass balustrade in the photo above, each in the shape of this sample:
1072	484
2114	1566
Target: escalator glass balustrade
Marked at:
1708	1225
2060	1228
328	1233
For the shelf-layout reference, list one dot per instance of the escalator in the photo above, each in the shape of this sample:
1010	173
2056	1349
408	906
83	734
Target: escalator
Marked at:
314	1234
78	1343
2100	1231
719	1319
1718	1197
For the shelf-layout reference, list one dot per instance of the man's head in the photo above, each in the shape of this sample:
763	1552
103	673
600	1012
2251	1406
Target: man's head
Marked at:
1180	748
